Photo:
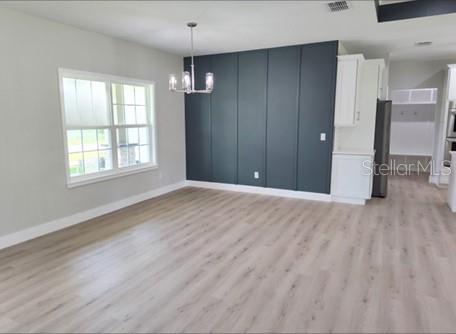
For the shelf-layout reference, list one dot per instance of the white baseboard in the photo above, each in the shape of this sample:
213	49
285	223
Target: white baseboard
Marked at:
434	179
444	180
275	192
260	190
61	223
349	200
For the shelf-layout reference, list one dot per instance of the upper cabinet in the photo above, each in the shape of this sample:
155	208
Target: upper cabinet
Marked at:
347	112
452	82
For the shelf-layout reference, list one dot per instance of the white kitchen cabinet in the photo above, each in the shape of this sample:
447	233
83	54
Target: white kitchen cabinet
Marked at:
352	176
381	76
451	195
452	83
347	112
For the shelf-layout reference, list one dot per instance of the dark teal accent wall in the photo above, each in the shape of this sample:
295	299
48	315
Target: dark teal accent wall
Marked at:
265	114
282	117
252	117
224	119
316	115
198	125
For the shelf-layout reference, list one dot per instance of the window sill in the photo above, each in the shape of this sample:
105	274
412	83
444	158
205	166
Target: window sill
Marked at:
109	175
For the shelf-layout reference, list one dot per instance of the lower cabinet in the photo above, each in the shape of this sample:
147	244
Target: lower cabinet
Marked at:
352	176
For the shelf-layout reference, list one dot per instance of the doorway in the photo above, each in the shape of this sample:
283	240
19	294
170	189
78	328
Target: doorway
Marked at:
414	126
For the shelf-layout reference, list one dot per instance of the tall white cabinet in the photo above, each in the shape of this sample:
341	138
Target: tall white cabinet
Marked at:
452	82
358	84
348	111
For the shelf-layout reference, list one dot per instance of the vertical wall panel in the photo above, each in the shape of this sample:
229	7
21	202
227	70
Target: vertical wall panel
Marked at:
224	118
198	125
316	116
282	117
252	117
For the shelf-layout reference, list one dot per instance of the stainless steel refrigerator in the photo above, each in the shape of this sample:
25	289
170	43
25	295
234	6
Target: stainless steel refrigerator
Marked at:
382	148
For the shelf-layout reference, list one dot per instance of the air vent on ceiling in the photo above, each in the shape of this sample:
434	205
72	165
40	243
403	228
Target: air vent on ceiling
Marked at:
337	6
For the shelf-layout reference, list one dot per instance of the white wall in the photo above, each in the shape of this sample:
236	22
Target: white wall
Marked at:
412	129
417	133
342	50
32	169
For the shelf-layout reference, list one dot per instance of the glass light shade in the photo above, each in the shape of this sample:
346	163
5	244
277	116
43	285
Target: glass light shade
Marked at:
186	81
209	81
172	82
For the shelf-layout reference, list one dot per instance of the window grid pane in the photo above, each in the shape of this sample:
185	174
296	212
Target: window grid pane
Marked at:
89	140
105	160
74	141
141	116
133	146
129	104
104	139
91	162
144	153
140	96
129	94
95	153
122	156
130	115
76	164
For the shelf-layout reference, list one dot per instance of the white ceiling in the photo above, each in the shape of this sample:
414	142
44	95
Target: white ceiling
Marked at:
242	25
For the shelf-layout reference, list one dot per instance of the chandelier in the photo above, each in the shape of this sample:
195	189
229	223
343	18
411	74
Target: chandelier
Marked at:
188	79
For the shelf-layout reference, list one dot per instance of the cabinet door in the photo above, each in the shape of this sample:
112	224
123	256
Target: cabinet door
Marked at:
346	89
452	84
198	125
252	117
352	176
316	114
380	94
282	117
224	118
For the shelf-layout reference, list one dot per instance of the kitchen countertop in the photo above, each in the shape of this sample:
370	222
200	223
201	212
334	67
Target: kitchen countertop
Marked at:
355	151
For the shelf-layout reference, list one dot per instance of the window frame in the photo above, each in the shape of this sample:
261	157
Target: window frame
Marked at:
151	112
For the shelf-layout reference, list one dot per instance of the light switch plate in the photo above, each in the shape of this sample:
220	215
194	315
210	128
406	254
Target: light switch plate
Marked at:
256	175
322	136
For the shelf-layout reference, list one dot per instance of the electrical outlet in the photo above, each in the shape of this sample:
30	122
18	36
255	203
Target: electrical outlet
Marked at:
256	175
322	136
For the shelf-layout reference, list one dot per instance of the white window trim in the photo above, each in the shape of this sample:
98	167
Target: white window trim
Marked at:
115	172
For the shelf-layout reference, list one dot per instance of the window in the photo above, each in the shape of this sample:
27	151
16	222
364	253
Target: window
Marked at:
108	125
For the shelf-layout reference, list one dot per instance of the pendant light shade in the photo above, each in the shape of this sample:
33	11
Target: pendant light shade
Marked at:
172	82
209	81
186	81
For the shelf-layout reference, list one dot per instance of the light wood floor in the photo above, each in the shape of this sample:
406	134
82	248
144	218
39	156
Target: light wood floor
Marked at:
204	260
